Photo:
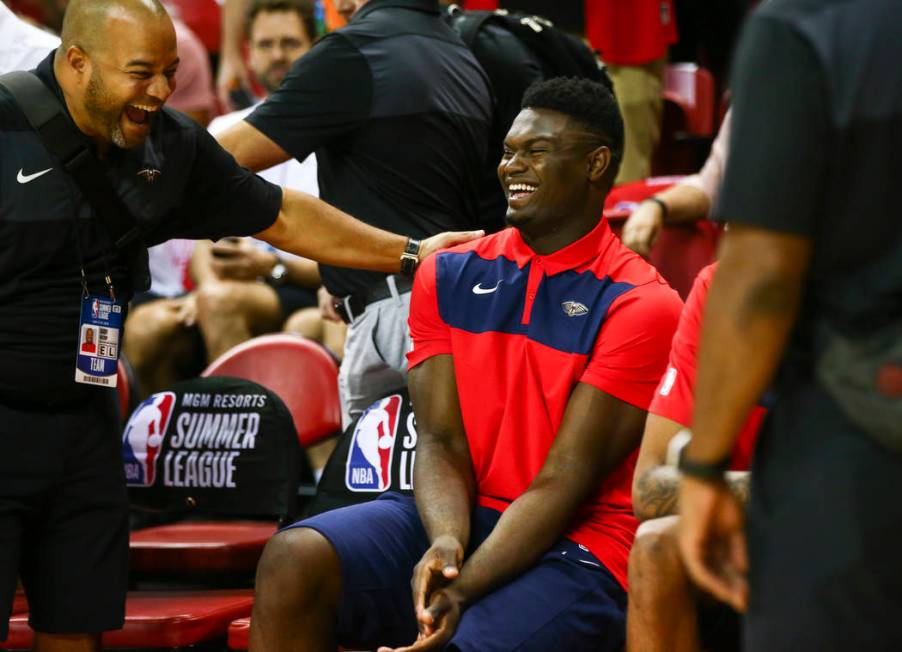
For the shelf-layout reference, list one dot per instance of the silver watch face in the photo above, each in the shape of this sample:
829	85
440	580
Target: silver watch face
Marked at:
278	272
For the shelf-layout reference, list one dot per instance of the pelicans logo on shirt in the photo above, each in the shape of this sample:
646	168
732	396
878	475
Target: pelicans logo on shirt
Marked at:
372	446
143	438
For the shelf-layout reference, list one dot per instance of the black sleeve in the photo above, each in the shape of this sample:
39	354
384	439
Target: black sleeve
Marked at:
328	92
221	198
781	139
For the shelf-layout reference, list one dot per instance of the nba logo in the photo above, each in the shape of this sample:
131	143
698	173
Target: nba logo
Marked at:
372	446
95	309
143	437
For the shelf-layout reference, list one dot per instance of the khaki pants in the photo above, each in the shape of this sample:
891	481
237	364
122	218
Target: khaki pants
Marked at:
640	93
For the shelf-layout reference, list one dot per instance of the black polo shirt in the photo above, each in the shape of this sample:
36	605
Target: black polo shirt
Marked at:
200	192
398	111
815	151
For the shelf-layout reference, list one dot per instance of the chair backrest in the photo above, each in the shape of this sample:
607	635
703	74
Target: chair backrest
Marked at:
691	87
681	251
301	372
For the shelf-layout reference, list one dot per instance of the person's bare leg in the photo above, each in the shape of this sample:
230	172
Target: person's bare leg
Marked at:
297	593
306	322
334	334
231	312
44	642
662	612
156	343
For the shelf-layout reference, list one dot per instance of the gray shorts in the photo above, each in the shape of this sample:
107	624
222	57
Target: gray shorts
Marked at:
375	361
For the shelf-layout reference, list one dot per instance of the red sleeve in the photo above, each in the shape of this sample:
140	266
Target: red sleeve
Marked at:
673	397
631	350
428	331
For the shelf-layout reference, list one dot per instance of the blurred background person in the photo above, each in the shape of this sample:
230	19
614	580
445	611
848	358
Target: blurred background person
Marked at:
242	287
22	46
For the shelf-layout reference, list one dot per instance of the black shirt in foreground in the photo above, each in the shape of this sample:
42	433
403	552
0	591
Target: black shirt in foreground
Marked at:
200	192
815	151
398	111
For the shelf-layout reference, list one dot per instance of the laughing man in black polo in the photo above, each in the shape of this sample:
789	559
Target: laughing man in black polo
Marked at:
63	519
397	110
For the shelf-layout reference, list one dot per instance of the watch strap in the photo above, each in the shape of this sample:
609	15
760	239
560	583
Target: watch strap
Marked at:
708	471
411	257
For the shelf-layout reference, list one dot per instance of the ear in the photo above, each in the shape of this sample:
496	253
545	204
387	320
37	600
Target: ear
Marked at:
78	60
598	161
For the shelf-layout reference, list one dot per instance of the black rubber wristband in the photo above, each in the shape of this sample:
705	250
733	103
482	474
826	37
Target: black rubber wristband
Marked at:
662	205
708	471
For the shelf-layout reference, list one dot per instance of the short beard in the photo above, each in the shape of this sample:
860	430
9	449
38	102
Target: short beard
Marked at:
98	102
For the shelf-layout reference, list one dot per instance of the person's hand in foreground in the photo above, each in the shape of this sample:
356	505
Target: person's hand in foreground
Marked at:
712	540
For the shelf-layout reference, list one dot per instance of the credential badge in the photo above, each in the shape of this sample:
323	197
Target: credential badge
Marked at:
574	309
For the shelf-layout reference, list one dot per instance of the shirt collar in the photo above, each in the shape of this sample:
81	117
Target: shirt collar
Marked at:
594	244
429	6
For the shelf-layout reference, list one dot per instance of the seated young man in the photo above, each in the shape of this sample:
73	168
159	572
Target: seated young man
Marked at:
664	607
536	353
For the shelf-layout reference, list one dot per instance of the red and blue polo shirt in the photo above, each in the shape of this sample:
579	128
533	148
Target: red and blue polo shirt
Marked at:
674	397
524	329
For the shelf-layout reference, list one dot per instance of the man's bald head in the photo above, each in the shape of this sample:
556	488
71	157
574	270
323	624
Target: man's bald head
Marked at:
116	67
86	22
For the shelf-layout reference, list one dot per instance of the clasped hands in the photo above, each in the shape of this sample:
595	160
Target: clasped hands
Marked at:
437	602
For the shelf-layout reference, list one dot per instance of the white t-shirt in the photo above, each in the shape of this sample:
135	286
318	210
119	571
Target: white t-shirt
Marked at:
169	260
22	46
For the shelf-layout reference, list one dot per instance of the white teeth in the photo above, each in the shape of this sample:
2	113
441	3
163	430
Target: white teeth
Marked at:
521	187
149	109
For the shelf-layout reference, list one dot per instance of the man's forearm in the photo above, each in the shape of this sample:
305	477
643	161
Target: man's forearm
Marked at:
685	204
445	489
657	491
525	532
752	305
311	228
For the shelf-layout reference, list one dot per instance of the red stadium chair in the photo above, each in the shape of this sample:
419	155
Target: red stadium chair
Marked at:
199	547
161	619
691	88
681	251
305	377
20	603
301	372
239	631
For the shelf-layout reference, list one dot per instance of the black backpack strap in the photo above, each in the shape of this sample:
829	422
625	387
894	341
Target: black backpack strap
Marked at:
468	24
62	138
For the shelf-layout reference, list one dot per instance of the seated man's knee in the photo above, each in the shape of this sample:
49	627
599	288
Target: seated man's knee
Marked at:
215	300
655	555
299	566
149	327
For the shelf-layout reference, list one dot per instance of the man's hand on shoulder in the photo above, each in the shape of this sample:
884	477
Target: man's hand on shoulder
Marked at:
447	239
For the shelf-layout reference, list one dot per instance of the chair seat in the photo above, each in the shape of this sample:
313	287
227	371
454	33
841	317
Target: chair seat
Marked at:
161	619
197	547
238	634
20	602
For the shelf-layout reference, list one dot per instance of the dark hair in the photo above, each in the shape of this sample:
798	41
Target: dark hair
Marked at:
303	8
591	103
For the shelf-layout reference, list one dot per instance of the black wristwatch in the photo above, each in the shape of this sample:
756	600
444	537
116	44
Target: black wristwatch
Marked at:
411	257
707	471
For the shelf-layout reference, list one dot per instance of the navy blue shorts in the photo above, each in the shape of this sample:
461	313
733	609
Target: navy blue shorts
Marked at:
567	601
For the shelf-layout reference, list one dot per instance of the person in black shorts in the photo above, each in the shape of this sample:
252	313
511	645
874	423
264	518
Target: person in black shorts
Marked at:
63	520
807	292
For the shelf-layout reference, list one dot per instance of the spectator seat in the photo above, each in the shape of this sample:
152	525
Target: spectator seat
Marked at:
238	634
199	547
691	88
681	251
301	372
161	619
